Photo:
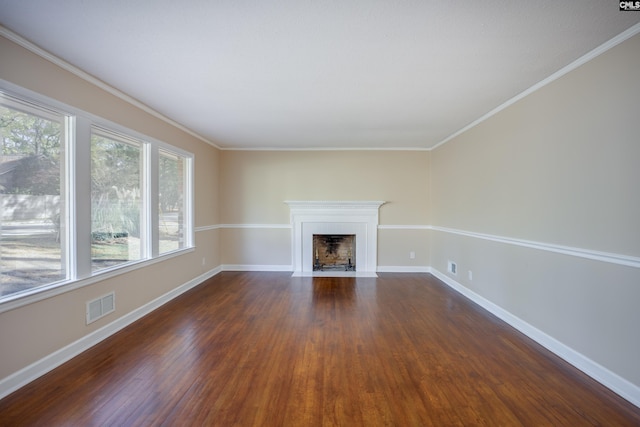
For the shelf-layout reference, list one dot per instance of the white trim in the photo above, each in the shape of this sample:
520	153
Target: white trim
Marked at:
403	269
289	226
320	206
24	376
251	267
613	381
335	274
236	226
404	227
325	149
630	32
626	260
79	223
48	291
189	202
267	226
609	257
206	228
19	40
289	268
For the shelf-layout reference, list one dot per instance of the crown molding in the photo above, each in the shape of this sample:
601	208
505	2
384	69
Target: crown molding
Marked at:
326	149
10	35
33	48
625	35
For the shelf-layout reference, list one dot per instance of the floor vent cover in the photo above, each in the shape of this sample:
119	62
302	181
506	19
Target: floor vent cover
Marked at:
100	307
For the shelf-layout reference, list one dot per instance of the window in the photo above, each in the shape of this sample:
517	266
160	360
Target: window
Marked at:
82	197
33	245
115	200
171	200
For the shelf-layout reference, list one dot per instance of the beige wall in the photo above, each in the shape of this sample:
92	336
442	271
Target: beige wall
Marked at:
396	245
256	184
32	332
558	167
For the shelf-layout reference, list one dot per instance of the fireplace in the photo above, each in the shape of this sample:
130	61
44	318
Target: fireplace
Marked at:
356	218
334	252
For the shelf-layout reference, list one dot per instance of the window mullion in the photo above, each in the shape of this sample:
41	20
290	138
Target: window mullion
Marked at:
68	203
81	198
152	198
189	216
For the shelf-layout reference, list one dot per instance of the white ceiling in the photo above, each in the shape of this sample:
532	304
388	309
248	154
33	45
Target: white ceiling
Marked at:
319	74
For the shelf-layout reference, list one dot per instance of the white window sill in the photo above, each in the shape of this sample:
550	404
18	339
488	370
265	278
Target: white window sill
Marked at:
20	299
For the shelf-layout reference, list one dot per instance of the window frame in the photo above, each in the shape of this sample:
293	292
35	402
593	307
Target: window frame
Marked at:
78	126
45	112
145	190
187	201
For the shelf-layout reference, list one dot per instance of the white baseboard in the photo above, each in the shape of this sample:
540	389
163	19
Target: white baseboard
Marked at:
334	274
250	267
403	269
611	380
381	269
29	373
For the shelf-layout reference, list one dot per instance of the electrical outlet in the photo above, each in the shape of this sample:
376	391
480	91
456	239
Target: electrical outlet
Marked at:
203	261
470	275
412	255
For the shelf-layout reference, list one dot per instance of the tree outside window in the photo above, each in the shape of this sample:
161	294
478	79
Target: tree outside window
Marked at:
32	247
171	201
44	234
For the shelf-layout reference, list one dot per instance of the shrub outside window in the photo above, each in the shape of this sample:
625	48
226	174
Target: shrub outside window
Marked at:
116	202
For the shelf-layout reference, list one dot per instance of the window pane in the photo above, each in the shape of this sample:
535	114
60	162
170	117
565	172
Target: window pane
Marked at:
31	181
115	201
171	202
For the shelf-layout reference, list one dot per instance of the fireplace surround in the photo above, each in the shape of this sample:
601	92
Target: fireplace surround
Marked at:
359	218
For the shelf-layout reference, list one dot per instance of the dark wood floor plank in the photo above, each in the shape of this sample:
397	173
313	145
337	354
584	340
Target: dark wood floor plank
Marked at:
266	349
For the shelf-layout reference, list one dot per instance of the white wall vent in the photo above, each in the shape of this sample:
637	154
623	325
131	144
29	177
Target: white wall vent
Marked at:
100	307
452	268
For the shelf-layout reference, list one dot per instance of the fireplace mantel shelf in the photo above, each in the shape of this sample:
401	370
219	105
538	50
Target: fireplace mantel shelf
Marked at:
334	204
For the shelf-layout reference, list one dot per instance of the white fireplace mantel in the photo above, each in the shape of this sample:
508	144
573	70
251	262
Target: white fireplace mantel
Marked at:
335	217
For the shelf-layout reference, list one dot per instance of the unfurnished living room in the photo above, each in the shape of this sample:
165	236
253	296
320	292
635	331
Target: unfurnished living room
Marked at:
319	213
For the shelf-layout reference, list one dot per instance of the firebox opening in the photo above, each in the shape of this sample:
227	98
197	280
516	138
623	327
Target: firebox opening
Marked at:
334	252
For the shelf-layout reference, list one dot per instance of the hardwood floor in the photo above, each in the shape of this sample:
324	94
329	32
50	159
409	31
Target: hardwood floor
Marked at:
266	349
